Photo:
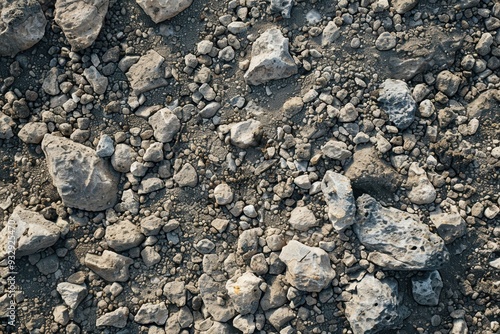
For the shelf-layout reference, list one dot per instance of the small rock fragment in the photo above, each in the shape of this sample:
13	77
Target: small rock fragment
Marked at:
161	10
338	195
396	100
245	134
110	266
245	292
426	289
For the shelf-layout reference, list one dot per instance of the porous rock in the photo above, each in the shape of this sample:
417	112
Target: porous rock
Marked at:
427	288
397	101
338	196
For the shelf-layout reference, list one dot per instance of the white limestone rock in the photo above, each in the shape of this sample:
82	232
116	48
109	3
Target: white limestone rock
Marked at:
449	226
72	294
302	219
150	313
161	10
123	235
165	125
422	191
245	134
110	266
117	318
338	195
245	292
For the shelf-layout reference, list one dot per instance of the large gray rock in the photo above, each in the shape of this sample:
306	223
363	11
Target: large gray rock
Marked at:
396	239
375	306
245	292
426	289
338	196
123	235
165	125
147	73
161	10
270	59
31	231
80	20
83	180
307	268
22	25
397	101
110	266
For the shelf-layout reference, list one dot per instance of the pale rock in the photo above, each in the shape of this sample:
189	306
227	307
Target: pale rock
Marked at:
214	296
245	323
271	59
336	150
280	317
275	294
330	34
422	191
72	294
426	108
154	153
284	7
427	288
302	219
204	47
459	327
483	46
337	192
6	124
248	243
105	147
110	266
245	134
150	256
123	235
245	292
117	318
32	133
223	194
150	313
447	83
98	81
61	315
50	83
385	41
403	6
186	176
123	157
175	292
161	10
348	113
165	125
397	101
147	73
449	226
308	268
396	239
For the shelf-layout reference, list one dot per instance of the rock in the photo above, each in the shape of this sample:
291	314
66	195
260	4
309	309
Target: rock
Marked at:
338	196
447	83
307	268
459	327
176	293
50	83
48	265
6	124
426	289
245	292
284	7
80	20
302	219
336	150
275	295
210	110
31	232
422	191
223	194
98	81
214	296
330	34
484	104
165	125
375	306
370	174
83	180
403	6
293	106
105	147
150	184
61	315
161	10
449	226
150	256
186	176
150	313
72	294
204	47
385	41
117	318
245	323
123	235
348	113
33	132
280	317
271	59
122	158
248	243
397	240
154	153
151	225
204	246
426	108
245	134
396	100
110	266
147	73
483	46
22	25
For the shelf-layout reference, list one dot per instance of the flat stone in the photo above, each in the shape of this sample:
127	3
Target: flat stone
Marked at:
186	176
117	318
123	235
220	308
33	132
72	294
161	10
147	73
403	6
385	41
150	313
302	219
110	266
175	292
336	150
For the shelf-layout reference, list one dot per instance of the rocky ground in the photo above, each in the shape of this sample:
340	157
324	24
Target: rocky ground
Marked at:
250	166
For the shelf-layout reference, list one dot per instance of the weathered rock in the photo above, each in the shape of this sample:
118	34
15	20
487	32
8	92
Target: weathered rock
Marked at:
422	191
186	176
385	41
371	174
302	219
280	317
105	147
449	226
403	6
31	231
110	266
447	83
397	240
248	242
271	59
117	318
98	81
122	158
307	268
123	235
245	292
375	306
275	295
245	134
484	104
426	289
148	73
396	100
161	10
83	180
61	314
33	132
176	293
338	196
150	313
165	125
336	150
80	20
6	124
22	25
211	291
245	323
72	294
284	7
330	34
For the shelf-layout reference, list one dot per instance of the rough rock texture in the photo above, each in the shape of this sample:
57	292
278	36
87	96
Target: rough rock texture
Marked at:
375	307
22	25
396	239
427	288
403	6
245	292
396	100
117	318
422	191
32	133
80	20
209	291
270	59
165	125
123	235
161	10
308	268
338	196
370	174
284	7
147	73
245	134
484	104
72	294
450	226
110	266
32	233
6	124
302	219
152	313
83	180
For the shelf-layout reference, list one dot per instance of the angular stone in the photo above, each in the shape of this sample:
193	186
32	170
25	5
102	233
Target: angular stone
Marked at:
403	6
161	10
284	7
248	242
449	226
22	25
176	293
330	34
186	176
427	288
308	268
72	294
122	158
80	20
280	317
385	41
83	180
98	81
302	219
422	191
336	150
245	134
147	73
396	239
447	83
375	306
150	313
214	296
245	292
31	231
165	125
275	295
6	124
271	59
338	196
123	235
397	101
110	266
117	318
33	132
485	103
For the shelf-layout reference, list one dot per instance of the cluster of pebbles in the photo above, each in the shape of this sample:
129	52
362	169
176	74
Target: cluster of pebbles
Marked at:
244	166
